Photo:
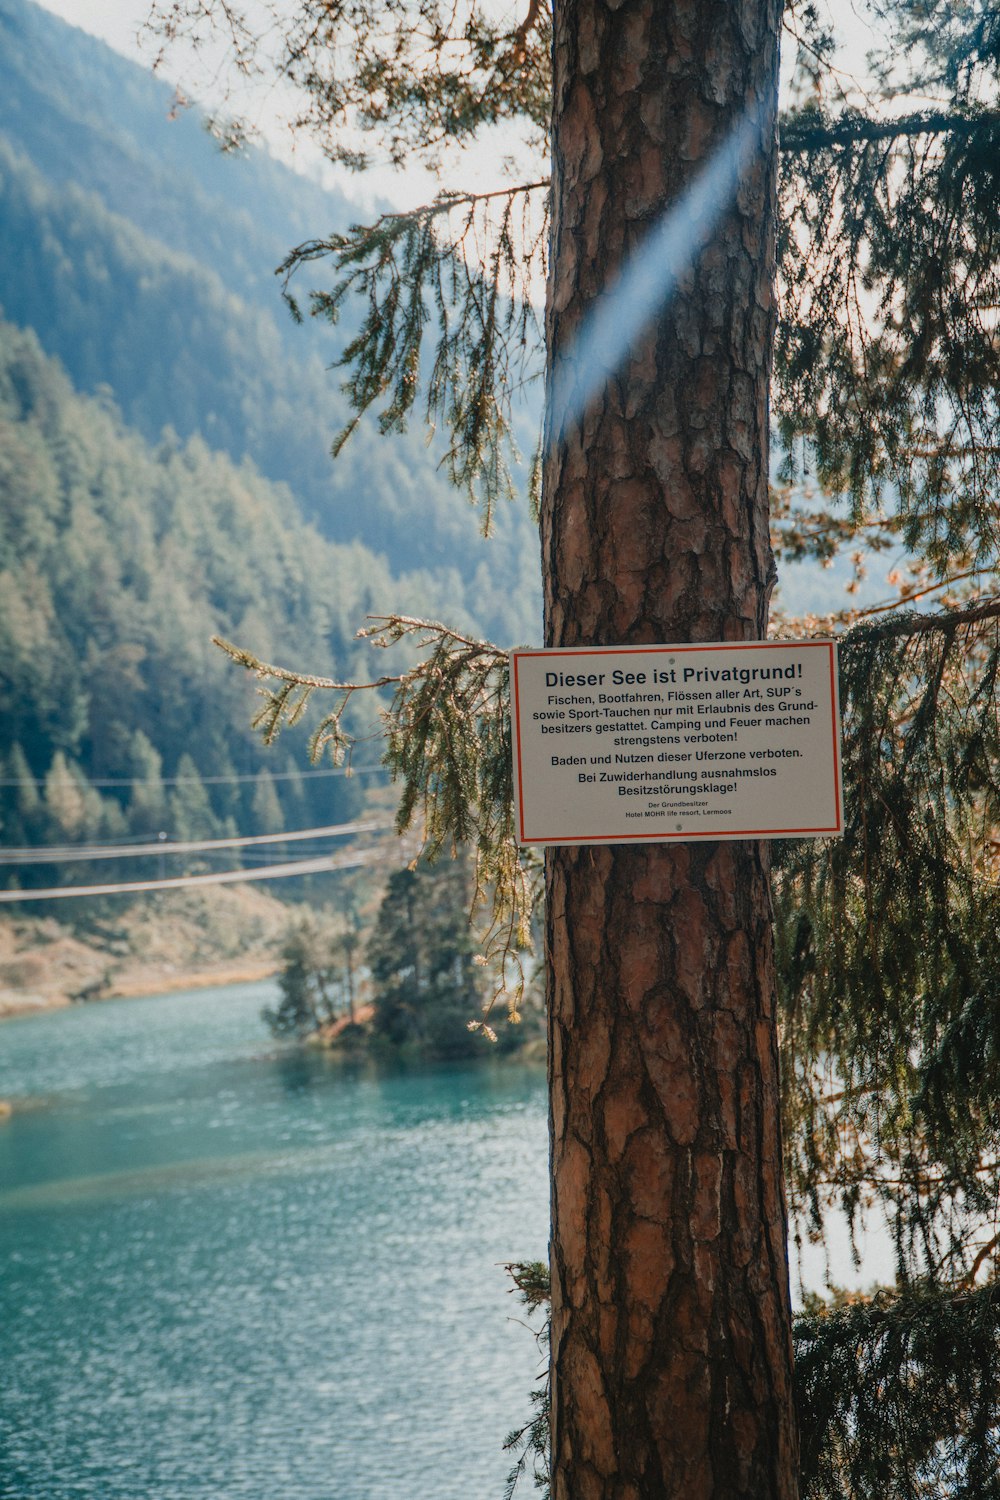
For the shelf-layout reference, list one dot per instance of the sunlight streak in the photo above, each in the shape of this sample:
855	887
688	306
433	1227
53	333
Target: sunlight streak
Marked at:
624	312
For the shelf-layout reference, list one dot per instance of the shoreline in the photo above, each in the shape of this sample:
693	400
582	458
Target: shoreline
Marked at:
182	940
144	983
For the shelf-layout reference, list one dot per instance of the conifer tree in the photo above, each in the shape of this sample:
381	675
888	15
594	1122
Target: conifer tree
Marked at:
188	805
670	1376
265	807
21	800
305	982
346	946
72	807
148	804
421	953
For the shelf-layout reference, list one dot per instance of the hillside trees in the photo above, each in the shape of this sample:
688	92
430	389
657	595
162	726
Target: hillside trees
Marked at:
670	1349
99	293
118	561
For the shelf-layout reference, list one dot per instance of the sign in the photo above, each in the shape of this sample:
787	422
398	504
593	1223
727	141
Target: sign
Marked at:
651	743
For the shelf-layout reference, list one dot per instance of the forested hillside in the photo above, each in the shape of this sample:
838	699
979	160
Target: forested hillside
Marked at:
144	260
118	561
155	479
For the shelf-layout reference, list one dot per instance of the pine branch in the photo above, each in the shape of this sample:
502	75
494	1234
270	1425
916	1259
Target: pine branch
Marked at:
265	669
442	325
898	1395
394	223
811	131
913	624
447	741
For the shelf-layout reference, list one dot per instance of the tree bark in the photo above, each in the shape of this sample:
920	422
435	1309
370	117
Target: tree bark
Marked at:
671	1342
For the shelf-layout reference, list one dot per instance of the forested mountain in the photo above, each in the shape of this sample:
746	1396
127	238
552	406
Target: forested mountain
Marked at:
155	480
118	561
143	260
88	118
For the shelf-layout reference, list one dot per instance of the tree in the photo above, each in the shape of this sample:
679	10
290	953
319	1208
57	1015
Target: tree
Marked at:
670	1348
265	807
148	803
307	982
73	808
346	945
189	807
671	1338
421	954
21	798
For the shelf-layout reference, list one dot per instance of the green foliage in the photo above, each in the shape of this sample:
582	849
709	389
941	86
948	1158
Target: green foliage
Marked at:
426	983
898	1398
117	565
485	326
121	231
530	1443
189	807
447	738
888	953
423	81
891	374
313	992
896	1395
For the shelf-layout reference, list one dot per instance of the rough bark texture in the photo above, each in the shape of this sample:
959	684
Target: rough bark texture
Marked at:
671	1346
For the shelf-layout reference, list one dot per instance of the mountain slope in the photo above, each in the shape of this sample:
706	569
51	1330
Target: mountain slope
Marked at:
118	562
143	260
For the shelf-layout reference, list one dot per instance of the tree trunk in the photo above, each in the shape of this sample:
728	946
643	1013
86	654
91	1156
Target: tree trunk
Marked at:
671	1343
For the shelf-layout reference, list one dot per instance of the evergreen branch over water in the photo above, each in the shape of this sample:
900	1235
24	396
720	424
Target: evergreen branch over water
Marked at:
447	738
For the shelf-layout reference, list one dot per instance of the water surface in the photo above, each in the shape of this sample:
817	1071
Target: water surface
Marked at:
231	1271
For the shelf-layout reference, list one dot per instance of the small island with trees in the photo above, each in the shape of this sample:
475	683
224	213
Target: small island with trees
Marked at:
412	986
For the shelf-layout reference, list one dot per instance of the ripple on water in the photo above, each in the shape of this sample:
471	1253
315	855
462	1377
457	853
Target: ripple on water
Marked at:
229	1276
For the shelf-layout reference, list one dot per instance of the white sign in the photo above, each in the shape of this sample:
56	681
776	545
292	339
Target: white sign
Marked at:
651	743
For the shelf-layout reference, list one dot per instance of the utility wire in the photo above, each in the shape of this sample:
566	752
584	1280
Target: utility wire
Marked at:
66	853
39	781
221	877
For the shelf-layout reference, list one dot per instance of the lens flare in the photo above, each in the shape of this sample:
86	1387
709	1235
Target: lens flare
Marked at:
625	312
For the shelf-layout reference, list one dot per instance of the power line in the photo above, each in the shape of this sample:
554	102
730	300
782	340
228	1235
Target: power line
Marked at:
38	781
220	877
67	853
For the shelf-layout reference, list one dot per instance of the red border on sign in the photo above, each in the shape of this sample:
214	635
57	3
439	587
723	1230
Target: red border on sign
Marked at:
665	837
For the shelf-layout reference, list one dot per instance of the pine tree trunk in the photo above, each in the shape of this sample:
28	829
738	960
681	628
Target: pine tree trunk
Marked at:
671	1346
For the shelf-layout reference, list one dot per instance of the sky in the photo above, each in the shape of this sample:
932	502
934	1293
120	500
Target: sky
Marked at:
120	24
114	21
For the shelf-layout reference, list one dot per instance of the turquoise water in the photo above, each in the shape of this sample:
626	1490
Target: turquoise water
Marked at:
234	1272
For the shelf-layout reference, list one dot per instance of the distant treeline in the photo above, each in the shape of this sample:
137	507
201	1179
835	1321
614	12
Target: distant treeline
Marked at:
118	562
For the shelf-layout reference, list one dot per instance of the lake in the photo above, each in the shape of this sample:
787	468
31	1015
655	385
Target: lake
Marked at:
235	1271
